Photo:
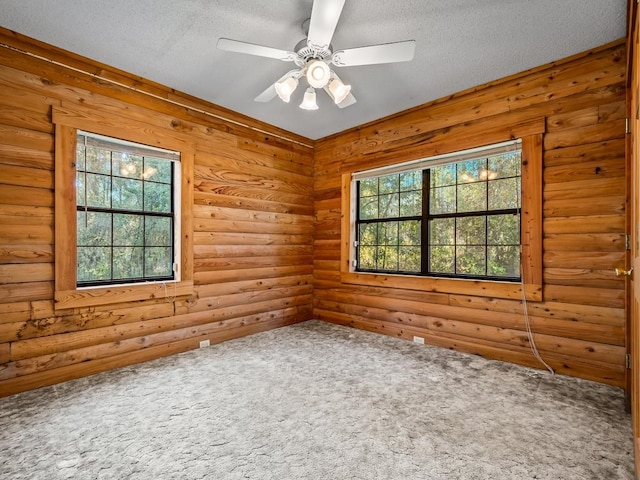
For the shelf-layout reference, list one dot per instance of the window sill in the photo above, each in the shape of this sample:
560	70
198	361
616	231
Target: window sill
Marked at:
479	288
88	297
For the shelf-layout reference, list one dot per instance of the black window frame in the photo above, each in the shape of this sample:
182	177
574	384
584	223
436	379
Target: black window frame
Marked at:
140	150
425	224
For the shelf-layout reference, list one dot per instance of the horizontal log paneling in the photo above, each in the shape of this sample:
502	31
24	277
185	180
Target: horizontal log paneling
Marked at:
267	222
563	364
213	331
252	223
579	325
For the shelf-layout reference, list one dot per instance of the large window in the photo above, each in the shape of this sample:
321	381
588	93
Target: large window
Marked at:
123	216
447	218
126	203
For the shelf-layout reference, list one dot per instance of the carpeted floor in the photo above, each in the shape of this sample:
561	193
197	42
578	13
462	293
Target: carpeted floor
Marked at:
318	401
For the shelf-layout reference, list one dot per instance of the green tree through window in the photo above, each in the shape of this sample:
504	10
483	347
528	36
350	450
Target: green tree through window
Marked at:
125	211
459	219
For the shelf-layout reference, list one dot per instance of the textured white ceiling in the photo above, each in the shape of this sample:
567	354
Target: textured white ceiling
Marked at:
460	44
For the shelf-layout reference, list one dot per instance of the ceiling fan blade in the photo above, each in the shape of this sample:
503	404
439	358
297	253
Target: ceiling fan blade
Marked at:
252	49
373	54
350	100
270	93
324	19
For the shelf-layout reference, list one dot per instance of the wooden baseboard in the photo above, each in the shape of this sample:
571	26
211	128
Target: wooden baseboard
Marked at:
84	369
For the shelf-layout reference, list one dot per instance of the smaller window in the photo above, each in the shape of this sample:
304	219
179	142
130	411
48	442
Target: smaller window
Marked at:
455	216
126	202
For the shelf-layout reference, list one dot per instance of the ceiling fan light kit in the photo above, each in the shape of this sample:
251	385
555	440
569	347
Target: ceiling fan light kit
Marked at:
339	90
285	88
314	54
318	73
309	100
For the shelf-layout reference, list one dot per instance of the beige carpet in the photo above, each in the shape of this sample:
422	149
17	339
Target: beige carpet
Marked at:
318	401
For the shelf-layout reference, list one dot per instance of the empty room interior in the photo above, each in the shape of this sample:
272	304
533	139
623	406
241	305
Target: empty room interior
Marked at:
319	239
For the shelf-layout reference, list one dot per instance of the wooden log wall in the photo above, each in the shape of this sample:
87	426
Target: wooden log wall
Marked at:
579	326
252	215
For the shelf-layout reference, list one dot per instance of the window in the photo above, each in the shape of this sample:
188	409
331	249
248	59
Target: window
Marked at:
466	223
453	219
123	216
125	211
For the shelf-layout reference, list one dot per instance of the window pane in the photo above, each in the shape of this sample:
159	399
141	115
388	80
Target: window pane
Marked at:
472	197
442	231
442	200
504	194
472	171
157	197
389	205
98	190
410	232
409	259
157	231
503	261
94	228
368	208
368	187
411	181
443	176
125	165
127	230
80	188
127	262
158	262
470	260
388	233
410	204
127	194
94	264
367	258
389	184
471	231
441	259
388	258
157	170
503	230
98	160
80	163
368	234
505	165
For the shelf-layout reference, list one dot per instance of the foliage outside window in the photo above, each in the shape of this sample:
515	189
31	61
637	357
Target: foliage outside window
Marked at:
125	211
458	219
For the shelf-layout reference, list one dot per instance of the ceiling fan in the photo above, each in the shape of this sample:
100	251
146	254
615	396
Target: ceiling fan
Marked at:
314	56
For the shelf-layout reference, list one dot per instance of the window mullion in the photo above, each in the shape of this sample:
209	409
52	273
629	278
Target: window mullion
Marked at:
424	228
486	220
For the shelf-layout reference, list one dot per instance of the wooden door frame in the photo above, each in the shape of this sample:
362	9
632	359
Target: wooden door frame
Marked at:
632	215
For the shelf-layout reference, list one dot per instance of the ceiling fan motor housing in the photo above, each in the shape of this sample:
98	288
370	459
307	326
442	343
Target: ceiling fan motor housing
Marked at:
307	53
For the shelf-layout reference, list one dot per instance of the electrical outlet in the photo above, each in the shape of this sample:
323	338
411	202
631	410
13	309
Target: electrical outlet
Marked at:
204	343
418	340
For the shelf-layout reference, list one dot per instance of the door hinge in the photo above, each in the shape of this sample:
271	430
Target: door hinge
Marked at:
356	244
627	125
627	361
627	242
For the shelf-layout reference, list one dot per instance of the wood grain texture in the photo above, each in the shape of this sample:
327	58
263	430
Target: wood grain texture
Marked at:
248	236
267	218
581	233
